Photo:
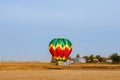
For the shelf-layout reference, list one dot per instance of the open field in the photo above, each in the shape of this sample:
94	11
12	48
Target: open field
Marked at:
48	71
60	75
47	65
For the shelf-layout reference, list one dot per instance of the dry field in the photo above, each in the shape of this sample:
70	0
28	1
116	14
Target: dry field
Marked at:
48	71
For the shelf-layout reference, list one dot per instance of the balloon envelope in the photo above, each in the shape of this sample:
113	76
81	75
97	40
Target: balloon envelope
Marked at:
60	48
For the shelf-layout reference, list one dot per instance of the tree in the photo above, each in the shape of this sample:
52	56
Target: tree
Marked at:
91	58
115	57
103	59
77	56
98	57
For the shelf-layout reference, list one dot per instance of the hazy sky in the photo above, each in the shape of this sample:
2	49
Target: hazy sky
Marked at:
27	27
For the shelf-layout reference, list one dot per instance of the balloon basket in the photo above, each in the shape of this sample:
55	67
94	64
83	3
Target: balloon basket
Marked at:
63	63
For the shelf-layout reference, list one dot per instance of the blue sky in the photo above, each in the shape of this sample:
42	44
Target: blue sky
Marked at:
27	27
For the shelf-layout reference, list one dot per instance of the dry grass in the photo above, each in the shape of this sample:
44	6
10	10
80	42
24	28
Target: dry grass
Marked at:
48	71
60	75
43	65
23	65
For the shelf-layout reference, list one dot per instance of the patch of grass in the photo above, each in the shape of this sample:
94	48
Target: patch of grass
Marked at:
44	65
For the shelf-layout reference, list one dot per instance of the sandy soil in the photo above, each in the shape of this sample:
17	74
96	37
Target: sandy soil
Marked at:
60	75
48	71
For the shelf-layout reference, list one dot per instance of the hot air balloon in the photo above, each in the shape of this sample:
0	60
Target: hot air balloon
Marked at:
60	49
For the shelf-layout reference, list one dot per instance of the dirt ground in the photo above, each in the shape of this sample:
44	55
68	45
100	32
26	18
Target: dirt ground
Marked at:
49	71
60	75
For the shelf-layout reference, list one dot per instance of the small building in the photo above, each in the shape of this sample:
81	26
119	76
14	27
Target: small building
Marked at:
109	61
68	62
96	61
79	60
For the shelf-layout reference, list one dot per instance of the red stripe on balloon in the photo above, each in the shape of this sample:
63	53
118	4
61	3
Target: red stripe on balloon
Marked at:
69	52
53	52
66	52
59	51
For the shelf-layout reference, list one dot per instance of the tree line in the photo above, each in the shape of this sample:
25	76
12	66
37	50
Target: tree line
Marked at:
115	57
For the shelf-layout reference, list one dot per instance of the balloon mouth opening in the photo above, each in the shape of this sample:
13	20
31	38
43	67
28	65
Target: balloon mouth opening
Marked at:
58	60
